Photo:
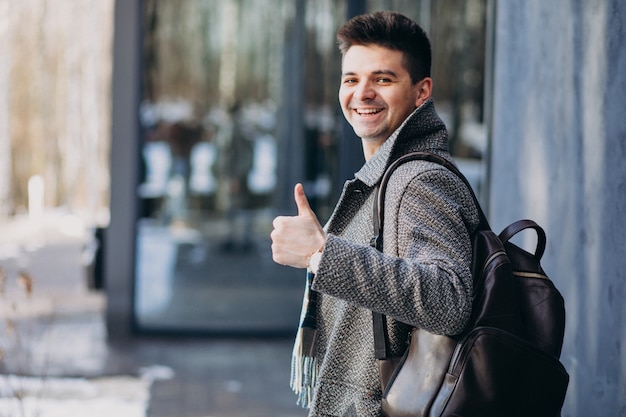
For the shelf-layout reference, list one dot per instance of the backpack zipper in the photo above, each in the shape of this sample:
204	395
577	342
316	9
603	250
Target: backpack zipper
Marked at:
492	257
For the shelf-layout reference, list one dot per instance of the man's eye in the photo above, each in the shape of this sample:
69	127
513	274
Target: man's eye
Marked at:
384	80
349	81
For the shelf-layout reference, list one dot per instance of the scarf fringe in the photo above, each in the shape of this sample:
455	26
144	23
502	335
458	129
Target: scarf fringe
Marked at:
303	361
303	376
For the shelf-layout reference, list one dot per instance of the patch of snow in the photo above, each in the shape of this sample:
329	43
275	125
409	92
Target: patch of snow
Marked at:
74	397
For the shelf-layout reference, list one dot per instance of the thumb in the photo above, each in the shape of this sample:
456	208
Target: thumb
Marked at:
301	201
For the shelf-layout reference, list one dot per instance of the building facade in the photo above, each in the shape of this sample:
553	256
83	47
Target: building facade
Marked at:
555	90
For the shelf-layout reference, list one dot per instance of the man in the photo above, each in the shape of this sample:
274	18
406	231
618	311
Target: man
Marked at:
423	278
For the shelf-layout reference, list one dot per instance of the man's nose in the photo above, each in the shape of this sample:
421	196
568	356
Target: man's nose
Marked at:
365	91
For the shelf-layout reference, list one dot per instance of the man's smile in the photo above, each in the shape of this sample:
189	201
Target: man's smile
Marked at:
367	112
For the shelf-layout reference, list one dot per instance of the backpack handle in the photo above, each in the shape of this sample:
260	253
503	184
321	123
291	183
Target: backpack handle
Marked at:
520	225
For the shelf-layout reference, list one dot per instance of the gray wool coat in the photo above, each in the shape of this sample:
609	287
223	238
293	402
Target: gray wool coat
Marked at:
422	279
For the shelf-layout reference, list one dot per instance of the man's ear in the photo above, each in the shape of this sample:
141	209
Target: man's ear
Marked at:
424	89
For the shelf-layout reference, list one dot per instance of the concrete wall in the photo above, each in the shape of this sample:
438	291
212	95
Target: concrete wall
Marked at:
559	157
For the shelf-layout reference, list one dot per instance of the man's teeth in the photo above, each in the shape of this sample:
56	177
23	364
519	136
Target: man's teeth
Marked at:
368	111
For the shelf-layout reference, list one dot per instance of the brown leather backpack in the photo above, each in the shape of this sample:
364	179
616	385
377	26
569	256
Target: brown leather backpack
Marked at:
506	363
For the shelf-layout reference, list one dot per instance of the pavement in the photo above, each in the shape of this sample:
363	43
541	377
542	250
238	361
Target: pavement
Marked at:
56	359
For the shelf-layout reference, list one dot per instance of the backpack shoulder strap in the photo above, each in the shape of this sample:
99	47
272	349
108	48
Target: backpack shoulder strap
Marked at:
381	337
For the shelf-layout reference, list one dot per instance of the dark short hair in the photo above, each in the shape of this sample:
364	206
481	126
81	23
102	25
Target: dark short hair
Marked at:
390	30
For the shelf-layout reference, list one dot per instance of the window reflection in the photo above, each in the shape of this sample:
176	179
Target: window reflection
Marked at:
239	103
213	87
203	254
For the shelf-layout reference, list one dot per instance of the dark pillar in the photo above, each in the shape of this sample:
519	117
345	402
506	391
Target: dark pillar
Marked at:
120	238
291	146
350	150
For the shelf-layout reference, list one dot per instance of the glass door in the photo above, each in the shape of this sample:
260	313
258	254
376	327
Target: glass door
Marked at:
229	125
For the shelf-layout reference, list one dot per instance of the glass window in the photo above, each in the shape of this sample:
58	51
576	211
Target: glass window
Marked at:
223	102
239	104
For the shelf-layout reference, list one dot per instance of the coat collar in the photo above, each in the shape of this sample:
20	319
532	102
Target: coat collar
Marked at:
423	130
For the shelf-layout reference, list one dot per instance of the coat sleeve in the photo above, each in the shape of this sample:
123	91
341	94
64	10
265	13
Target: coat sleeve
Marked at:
423	278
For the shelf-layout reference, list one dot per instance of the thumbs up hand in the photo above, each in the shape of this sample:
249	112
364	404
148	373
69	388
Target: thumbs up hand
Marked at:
296	238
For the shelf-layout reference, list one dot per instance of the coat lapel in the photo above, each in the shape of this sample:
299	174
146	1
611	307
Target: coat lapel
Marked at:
423	130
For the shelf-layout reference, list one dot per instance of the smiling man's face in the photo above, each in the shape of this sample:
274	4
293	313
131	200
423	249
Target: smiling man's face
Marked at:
376	92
